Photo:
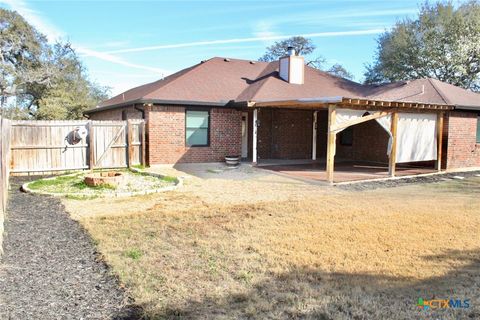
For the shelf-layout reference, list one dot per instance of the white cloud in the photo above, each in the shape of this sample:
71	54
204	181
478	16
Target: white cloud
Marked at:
314	18
263	29
251	39
35	19
41	24
117	60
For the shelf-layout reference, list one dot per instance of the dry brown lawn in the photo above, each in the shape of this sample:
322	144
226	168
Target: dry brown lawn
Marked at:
271	247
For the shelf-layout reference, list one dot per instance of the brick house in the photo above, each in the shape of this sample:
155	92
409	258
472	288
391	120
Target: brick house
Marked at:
286	110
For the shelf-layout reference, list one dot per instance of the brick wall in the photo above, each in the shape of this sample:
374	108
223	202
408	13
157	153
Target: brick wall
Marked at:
166	136
285	134
116	114
462	150
370	142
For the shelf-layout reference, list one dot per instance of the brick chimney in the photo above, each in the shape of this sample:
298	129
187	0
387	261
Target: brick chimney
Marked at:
292	67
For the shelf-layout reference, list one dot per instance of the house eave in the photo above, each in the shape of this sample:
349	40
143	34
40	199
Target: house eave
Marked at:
161	102
467	108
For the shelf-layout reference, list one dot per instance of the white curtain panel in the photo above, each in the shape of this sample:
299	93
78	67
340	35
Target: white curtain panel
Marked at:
386	123
416	133
344	115
416	137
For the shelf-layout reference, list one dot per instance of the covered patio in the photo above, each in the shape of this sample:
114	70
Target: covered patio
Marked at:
345	171
339	139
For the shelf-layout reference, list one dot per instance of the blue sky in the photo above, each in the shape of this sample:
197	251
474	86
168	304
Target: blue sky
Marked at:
127	43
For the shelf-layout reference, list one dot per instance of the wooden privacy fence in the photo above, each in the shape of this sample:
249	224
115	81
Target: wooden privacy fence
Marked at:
43	146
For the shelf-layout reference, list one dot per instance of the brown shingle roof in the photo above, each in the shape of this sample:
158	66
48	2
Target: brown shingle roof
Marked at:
220	80
269	86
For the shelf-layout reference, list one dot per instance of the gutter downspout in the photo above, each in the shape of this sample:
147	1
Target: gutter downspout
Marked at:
142	111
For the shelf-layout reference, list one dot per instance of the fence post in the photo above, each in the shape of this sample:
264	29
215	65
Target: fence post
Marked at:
91	145
129	142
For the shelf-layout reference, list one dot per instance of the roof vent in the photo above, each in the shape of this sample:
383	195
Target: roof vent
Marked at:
203	61
226	60
252	62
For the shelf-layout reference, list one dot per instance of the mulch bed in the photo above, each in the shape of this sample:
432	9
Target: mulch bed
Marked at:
50	268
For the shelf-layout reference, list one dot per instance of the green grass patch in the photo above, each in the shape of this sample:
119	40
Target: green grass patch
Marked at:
134	254
170	179
42	183
80	197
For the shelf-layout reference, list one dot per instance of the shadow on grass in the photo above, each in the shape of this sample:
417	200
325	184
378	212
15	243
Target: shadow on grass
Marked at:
311	294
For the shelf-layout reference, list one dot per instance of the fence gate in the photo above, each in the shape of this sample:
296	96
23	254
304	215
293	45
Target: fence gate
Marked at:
44	146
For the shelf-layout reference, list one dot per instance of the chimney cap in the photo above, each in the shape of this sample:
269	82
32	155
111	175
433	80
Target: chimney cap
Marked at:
291	50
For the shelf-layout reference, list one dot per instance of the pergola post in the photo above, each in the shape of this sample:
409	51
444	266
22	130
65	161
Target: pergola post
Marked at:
254	138
331	141
314	135
438	163
392	162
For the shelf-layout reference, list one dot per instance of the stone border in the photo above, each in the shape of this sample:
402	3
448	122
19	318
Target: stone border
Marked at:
178	183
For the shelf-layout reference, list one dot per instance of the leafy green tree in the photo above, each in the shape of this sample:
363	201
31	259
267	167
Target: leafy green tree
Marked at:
39	80
443	43
304	47
22	49
339	71
70	93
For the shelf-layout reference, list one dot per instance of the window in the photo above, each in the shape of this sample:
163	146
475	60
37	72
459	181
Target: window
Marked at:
197	128
346	137
478	129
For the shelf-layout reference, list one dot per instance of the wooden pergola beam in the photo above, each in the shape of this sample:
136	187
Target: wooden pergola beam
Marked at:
392	161
350	102
331	140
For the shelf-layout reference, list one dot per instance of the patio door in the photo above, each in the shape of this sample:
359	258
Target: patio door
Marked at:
244	134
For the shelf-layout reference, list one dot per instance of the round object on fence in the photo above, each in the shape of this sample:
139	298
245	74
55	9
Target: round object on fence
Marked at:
76	135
